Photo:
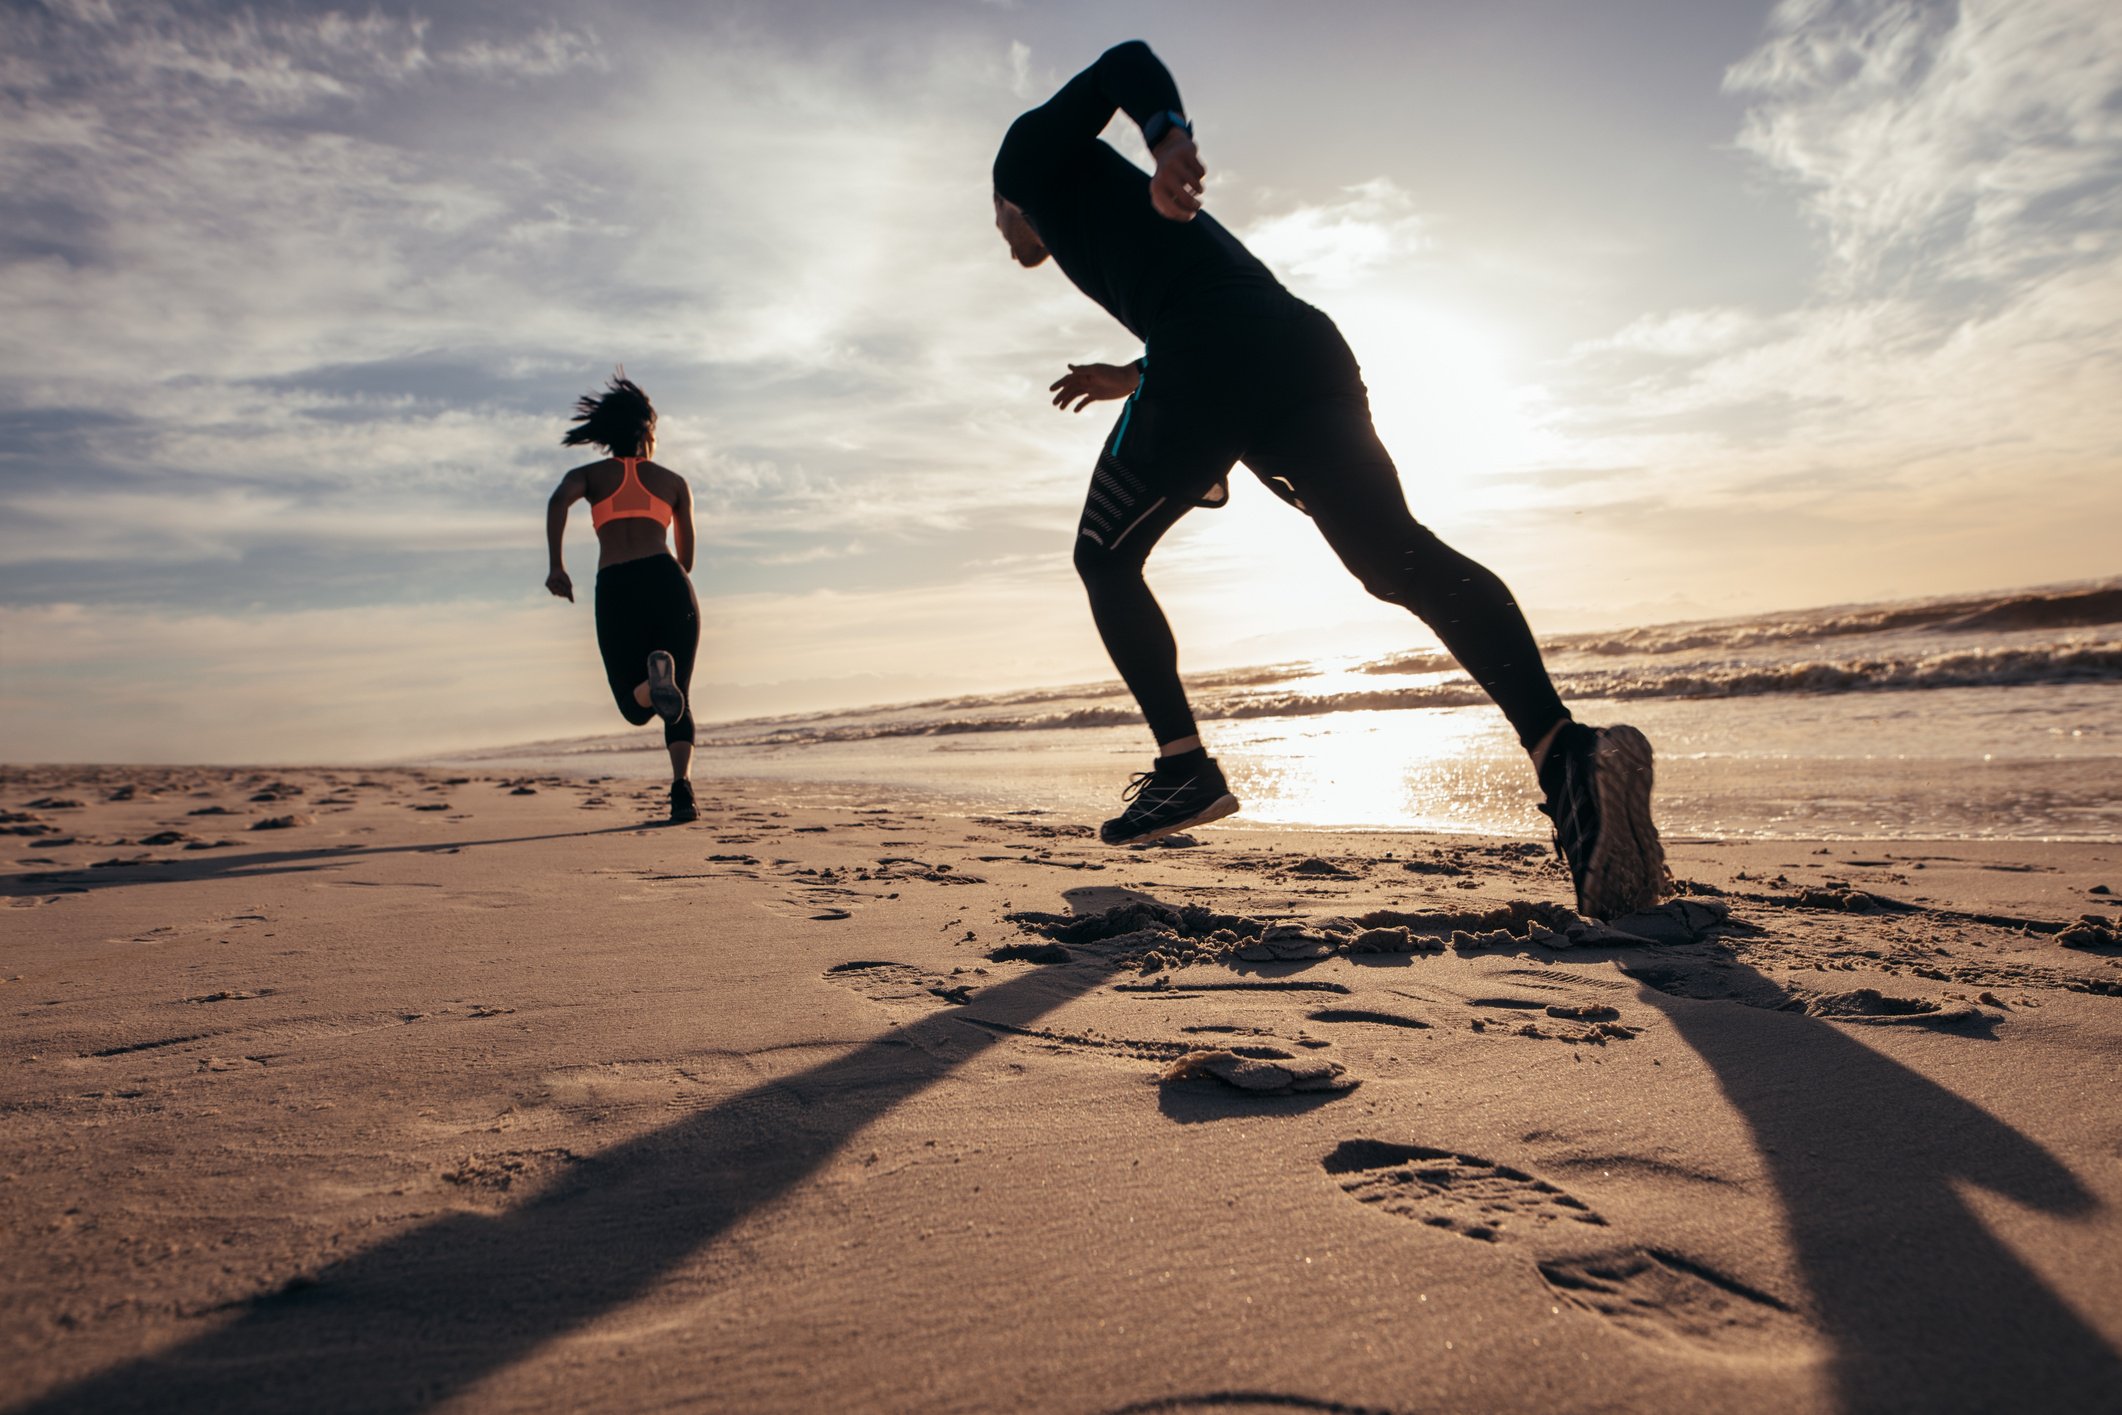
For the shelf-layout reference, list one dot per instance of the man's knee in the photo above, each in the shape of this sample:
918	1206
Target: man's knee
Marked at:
1098	566
632	711
1393	578
1412	571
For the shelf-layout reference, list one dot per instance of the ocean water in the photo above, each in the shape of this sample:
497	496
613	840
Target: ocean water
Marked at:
1992	716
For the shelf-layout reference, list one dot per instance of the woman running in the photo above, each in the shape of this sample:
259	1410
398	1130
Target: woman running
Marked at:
648	621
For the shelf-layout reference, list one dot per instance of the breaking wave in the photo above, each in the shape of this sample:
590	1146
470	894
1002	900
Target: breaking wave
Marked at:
1971	668
2017	612
2024	638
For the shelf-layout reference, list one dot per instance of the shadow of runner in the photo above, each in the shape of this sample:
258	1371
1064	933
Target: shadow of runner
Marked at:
414	1320
89	878
1924	1308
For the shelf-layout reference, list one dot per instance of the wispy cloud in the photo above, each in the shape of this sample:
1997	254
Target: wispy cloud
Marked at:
1681	334
1974	140
1962	165
293	304
1331	245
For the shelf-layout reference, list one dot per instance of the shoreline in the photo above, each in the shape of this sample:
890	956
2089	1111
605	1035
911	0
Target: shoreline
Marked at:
442	1092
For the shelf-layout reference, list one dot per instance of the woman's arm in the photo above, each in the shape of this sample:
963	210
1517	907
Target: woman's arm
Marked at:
573	487
682	525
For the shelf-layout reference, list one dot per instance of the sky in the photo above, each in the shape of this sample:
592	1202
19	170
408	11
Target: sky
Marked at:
1668	308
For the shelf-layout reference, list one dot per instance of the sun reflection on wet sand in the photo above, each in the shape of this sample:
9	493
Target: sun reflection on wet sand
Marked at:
1831	767
1441	770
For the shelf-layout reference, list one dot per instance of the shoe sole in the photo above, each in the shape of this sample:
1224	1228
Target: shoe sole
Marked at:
1224	805
1627	869
663	692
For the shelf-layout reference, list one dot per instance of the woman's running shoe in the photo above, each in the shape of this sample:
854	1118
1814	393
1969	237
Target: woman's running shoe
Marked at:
1598	795
1178	792
682	809
664	694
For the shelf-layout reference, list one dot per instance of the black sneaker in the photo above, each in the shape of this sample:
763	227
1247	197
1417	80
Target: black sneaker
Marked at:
1598	795
682	809
664	694
1181	791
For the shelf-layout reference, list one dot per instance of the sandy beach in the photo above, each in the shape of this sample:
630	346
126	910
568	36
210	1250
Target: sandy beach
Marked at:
391	1090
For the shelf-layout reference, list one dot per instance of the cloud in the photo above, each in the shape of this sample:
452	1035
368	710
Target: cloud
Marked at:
551	49
364	310
1960	163
1976	140
811	555
1334	244
300	301
1680	334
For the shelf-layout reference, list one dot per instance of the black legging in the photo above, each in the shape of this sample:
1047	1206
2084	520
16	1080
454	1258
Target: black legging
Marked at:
1271	383
644	605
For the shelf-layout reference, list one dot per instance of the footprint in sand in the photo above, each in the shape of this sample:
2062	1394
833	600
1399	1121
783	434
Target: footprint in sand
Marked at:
1562	980
813	910
1088	1041
1716	982
1869	1005
1575	1022
1368	1018
1463	1194
1278	1073
901	983
496	1173
1662	1296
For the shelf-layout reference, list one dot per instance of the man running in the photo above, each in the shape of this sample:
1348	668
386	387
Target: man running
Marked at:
1237	369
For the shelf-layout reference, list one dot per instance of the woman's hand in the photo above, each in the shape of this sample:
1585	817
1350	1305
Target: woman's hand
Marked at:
1085	384
1175	190
561	586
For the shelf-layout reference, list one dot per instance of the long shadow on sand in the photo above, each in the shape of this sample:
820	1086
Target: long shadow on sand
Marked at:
418	1318
1925	1309
260	862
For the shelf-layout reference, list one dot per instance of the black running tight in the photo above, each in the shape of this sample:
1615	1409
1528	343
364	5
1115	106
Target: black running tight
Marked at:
644	605
1279	391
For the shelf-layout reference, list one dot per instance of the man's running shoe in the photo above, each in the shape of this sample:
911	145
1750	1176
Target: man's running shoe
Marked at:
682	809
1181	791
664	694
1598	795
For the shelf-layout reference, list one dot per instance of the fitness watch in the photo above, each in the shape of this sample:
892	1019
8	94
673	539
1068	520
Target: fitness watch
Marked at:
1160	125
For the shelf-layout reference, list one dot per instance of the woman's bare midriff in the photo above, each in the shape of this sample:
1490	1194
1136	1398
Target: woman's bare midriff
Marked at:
633	538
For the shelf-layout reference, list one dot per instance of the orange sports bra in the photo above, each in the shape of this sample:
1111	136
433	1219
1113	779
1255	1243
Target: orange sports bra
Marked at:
631	499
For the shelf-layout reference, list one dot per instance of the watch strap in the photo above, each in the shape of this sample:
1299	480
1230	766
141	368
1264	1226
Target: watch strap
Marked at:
1160	125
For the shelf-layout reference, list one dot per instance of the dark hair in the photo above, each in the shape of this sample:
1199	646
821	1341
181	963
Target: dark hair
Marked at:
621	421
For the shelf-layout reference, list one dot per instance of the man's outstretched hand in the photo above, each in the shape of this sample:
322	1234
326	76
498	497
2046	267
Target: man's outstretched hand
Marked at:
1175	190
1085	384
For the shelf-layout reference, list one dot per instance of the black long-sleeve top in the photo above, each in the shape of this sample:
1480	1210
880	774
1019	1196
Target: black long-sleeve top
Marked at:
1091	206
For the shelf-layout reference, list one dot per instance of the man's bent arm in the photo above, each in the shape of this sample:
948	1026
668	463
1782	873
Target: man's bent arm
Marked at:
1127	76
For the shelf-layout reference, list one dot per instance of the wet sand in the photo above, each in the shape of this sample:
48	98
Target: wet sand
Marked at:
384	1090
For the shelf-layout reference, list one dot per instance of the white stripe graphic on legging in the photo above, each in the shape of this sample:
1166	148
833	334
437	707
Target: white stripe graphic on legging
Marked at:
1134	523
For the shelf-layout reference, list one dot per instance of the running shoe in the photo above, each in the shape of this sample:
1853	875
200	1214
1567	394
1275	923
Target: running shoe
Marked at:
682	809
664	694
1598	795
1170	797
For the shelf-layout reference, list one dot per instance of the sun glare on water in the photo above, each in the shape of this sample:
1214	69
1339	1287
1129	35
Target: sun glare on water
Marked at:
1451	769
